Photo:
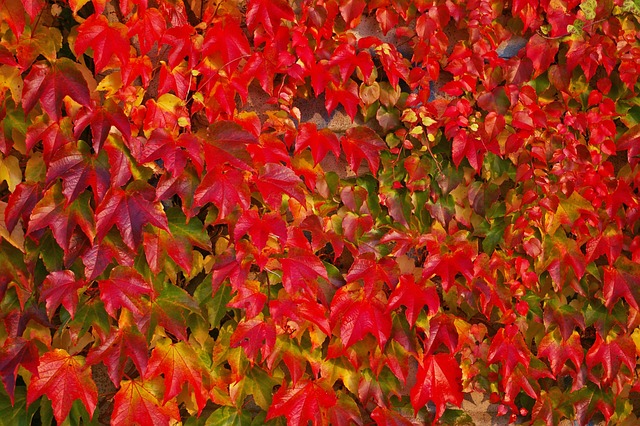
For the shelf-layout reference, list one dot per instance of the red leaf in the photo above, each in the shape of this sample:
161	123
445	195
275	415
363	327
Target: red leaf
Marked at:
129	211
351	11
179	364
319	141
442	331
49	84
14	353
414	297
609	356
33	7
63	379
226	188
149	28
21	203
439	380
61	288
362	143
259	228
345	94
358	313
124	289
302	403
622	280
608	242
558	350
542	53
508	349
12	12
250	298
138	402
108	40
115	346
301	272
254	335
53	212
268	14
225	44
98	257
274	180
386	417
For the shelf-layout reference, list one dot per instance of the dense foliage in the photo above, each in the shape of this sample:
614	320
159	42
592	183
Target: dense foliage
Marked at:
225	260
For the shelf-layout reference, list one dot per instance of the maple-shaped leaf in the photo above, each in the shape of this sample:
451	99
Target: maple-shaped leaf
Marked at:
117	346
50	83
254	335
14	353
61	288
345	94
321	142
259	228
124	289
274	180
301	272
439	380
250	298
12	12
225	44
414	296
565	317
101	118
108	40
558	350
129	210
301	307
387	417
227	142
171	310
53	212
21	203
179	364
74	166
226	188
606	357
508	348
101	254
442	331
138	402
303	403
607	242
268	14
149	27
63	378
33	7
591	399
622	281
351	11
358	312
564	261
542	52
362	143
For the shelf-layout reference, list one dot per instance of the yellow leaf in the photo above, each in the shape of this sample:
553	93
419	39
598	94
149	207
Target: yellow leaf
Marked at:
16	237
10	78
10	172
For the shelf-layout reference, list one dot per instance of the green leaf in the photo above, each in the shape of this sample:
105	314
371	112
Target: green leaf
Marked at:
18	414
228	416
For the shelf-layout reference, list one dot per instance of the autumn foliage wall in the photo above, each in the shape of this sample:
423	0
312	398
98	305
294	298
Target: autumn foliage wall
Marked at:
483	237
